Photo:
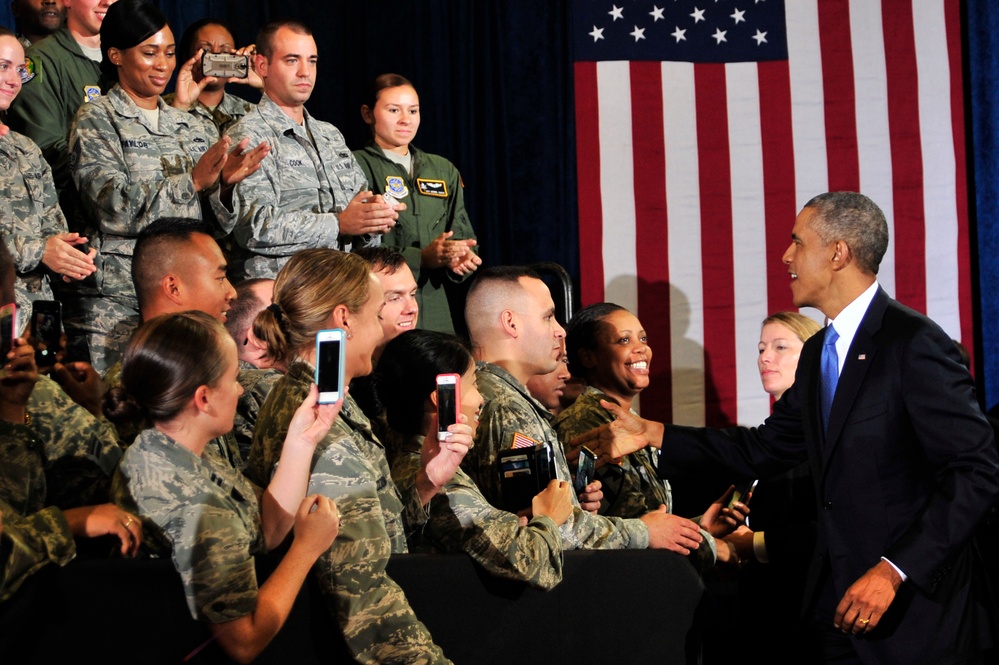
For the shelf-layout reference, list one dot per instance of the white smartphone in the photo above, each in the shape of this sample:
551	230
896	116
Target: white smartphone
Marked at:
330	354
448	399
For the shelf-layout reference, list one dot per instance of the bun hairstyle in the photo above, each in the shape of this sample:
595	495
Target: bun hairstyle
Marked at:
407	373
308	288
127	23
168	358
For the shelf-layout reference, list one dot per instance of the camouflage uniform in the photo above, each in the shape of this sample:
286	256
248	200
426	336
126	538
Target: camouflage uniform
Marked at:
203	514
461	520
229	111
508	409
130	174
222	448
630	490
349	466
29	542
292	202
634	488
81	451
256	384
30	217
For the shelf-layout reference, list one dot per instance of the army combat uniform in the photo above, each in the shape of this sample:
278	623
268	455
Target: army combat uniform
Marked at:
435	203
30	217
509	409
349	466
257	383
461	520
630	490
129	175
229	111
203	514
291	203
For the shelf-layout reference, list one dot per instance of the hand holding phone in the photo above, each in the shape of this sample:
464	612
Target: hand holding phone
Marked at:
330	364
225	65
742	492
46	329
448	400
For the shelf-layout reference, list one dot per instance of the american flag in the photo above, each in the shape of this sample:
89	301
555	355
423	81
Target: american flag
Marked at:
703	126
523	441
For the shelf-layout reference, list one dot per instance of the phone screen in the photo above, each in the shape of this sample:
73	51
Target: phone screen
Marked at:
7	323
584	472
46	327
328	367
446	406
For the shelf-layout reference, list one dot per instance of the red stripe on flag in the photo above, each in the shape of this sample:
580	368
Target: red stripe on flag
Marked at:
909	235
591	266
840	99
778	178
652	250
952	19
716	244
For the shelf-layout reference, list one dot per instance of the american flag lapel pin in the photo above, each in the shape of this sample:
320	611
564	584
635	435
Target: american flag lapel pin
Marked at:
862	356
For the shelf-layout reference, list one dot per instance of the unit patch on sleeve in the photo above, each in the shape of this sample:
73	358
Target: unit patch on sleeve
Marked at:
436	188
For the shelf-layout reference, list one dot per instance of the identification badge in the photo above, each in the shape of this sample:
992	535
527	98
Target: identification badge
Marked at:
436	188
396	187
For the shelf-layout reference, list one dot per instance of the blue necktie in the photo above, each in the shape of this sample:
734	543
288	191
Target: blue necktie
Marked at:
830	372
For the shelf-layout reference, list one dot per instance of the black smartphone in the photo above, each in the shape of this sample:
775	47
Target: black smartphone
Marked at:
8	330
225	65
46	329
330	365
448	386
584	471
742	492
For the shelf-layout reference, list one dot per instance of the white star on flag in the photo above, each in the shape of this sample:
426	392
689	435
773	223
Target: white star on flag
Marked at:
616	12
598	33
698	15
719	35
679	34
638	33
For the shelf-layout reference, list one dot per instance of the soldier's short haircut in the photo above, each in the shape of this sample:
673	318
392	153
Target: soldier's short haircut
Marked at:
492	290
382	259
156	248
244	309
265	38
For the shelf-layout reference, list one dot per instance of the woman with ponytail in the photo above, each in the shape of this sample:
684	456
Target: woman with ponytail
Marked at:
179	371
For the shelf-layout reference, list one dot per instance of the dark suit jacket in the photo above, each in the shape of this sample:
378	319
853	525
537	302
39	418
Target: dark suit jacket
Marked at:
906	470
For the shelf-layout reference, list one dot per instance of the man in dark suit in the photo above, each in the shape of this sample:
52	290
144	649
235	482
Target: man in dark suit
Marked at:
903	460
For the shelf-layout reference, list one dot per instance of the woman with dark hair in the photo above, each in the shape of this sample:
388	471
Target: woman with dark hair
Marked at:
433	232
135	159
608	348
319	289
460	518
180	371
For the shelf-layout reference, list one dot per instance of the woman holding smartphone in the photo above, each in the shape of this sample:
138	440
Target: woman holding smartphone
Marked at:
324	289
433	232
180	371
134	160
461	519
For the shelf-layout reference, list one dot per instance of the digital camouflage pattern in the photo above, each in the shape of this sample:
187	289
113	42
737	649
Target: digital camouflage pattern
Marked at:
30	216
508	409
229	111
81	451
222	448
203	514
461	520
630	490
28	542
22	474
349	466
292	202
256	384
130	174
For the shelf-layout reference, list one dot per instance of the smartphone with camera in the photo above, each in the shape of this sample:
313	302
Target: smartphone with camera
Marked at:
742	492
330	354
46	327
448	399
8	331
584	471
225	65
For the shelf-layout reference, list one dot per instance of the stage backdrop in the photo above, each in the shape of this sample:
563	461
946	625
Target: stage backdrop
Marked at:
702	128
692	158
